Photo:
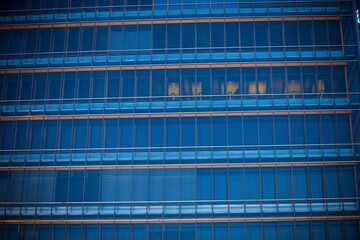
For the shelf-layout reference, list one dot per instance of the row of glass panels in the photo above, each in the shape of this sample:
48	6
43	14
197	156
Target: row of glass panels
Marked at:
182	210
175	38
330	188
123	86
119	13
300	230
266	132
146	5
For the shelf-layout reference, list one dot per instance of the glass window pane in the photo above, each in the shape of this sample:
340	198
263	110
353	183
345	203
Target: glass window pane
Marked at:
204	184
252	184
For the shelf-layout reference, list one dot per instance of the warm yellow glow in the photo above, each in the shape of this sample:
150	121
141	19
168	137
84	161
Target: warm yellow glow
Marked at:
196	88
294	86
173	89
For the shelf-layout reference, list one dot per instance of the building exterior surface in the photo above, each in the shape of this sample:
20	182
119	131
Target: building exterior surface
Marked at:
179	119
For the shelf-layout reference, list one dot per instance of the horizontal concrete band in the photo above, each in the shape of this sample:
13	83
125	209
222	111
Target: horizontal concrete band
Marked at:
171	66
167	21
182	220
182	166
170	114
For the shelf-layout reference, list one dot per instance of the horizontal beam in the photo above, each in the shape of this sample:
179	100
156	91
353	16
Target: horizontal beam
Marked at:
177	166
181	220
171	115
166	21
171	66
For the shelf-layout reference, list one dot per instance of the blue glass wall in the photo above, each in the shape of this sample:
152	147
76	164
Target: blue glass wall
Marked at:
179	119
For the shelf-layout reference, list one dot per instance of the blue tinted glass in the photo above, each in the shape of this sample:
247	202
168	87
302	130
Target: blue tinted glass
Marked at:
46	186
142	132
30	189
124	185
219	131
108	185
21	132
173	40
81	133
327	124
266	130
75	232
351	230
76	186
318	230
250	131
187	231
126	133
139	232
297	129
107	231
204	231
66	134
236	231
171	231
220	184
61	186
204	187
268	183
234	130
156	185
188	39
302	231
129	37
316	186
204	131
157	132
252	184
217	35
59	232
123	231
116	38
284	183
188	184
347	182
51	134
4	178
73	39
43	231
270	231
92	183
203	35
188	132
172	132
300	183
220	231
144	37
334	228
253	231
286	230
312	129
16	186
236	184
140	185
101	38
172	184
155	231
331	182
96	133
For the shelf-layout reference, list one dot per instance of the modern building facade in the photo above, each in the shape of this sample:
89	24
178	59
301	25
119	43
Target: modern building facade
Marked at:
179	119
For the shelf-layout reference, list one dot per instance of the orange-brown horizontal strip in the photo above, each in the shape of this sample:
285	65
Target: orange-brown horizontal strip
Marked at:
177	166
167	21
171	66
180	220
169	115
